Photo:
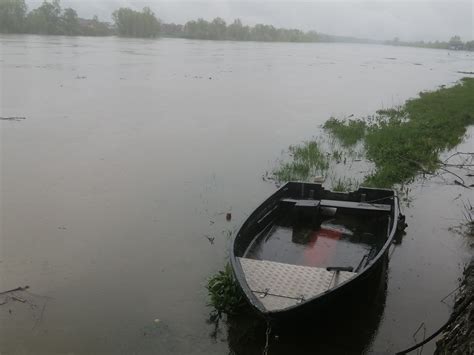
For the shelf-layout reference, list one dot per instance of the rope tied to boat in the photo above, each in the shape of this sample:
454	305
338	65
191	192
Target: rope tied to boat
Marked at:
451	319
267	338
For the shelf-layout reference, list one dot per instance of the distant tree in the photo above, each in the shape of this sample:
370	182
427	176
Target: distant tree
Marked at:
46	19
151	25
12	16
266	33
236	31
469	46
131	23
217	29
94	27
171	30
199	29
312	36
70	22
455	43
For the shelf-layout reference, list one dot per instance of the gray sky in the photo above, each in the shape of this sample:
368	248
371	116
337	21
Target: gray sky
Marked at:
382	19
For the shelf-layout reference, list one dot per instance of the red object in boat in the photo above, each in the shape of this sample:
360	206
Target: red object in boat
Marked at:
321	247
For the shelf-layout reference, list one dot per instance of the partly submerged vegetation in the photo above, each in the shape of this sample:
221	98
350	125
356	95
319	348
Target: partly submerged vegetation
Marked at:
344	184
401	142
405	142
224	292
308	159
347	132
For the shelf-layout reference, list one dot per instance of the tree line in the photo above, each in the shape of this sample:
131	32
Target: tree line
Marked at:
218	29
49	18
455	43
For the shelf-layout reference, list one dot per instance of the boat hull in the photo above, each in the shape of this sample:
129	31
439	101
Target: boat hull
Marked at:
359	289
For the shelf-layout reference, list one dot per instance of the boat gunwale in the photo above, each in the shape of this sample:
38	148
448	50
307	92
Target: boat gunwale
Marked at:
240	275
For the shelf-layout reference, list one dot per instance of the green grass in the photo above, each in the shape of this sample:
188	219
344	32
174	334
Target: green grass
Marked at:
348	133
344	184
404	142
307	160
224	292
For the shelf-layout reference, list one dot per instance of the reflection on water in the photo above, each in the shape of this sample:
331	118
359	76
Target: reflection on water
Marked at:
111	184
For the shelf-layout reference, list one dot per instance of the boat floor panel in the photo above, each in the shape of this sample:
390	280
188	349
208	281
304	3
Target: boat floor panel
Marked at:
279	285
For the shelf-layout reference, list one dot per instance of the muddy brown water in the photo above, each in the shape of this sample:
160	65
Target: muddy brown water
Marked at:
133	151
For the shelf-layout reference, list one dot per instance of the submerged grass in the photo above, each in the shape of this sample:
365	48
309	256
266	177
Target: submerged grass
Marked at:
308	160
224	292
401	141
344	184
407	141
347	132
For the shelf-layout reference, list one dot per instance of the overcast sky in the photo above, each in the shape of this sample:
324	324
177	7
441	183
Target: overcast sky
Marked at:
381	19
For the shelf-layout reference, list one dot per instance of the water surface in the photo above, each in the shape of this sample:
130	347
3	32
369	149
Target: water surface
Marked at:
131	153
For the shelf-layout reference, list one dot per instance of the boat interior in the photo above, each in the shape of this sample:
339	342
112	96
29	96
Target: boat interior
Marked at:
303	247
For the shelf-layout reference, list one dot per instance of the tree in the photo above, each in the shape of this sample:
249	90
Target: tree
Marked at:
263	33
171	30
130	23
469	46
217	29
70	22
199	29
455	43
45	19
12	16
236	31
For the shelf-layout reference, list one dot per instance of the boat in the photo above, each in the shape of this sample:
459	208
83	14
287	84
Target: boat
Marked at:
306	249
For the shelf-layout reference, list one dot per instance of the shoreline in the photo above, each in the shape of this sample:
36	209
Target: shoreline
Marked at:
458	337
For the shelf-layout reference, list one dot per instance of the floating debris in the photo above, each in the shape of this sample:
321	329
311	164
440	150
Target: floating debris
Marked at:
19	299
24	288
210	239
13	118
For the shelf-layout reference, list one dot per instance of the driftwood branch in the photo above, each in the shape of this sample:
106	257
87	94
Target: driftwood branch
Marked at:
15	289
460	178
15	118
444	165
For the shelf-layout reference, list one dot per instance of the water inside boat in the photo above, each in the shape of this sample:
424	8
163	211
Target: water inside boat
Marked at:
342	240
295	259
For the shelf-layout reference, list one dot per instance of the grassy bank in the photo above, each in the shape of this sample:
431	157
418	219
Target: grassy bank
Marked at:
401	142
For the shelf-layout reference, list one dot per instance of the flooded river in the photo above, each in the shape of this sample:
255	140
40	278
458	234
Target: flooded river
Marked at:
116	185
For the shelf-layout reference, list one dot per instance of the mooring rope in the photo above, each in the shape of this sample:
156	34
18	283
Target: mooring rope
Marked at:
445	325
267	338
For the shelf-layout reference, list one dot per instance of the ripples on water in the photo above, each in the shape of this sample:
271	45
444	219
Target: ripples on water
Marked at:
133	150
